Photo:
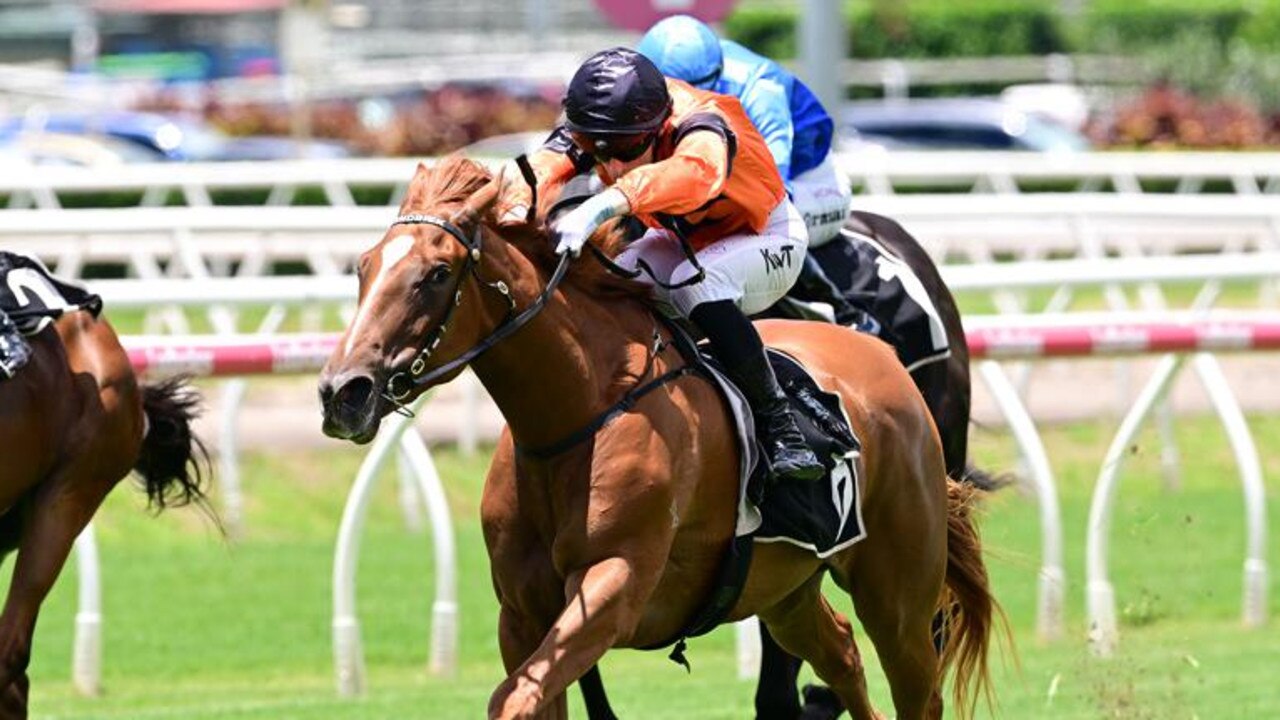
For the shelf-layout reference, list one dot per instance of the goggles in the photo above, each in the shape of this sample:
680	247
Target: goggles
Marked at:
624	148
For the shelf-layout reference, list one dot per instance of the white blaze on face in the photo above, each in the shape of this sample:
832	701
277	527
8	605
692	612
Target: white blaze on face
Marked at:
393	252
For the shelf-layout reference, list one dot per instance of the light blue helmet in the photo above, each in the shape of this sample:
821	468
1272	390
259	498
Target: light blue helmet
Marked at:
686	49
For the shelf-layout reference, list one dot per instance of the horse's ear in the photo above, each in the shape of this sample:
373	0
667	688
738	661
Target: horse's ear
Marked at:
481	202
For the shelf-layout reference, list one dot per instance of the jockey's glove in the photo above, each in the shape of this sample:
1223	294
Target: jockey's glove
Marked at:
572	230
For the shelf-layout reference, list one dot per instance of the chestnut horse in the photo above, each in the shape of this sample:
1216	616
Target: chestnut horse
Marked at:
73	422
610	503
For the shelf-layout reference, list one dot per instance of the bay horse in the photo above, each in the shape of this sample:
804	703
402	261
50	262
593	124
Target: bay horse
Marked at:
610	502
74	422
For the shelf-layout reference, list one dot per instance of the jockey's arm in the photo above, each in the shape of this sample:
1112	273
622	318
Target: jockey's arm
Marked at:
695	173
766	104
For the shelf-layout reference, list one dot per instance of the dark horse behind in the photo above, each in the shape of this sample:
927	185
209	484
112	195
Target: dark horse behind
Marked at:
74	422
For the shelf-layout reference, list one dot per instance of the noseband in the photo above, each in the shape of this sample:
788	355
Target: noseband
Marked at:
402	384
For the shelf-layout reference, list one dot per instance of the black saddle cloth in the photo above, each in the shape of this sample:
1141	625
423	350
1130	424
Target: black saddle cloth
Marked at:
33	298
883	286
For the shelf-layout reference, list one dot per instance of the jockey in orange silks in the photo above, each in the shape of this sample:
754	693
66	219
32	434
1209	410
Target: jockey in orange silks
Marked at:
690	165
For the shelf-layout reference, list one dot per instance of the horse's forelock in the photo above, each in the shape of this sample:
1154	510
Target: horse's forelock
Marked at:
450	181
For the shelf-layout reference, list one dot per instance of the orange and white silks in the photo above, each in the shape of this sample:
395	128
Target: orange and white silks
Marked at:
711	173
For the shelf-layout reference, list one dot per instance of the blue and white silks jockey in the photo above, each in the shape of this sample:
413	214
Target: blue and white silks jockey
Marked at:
794	124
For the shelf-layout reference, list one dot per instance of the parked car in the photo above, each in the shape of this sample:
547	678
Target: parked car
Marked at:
53	148
166	139
955	124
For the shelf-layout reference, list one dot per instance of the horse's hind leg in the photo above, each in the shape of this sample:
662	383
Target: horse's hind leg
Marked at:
806	626
898	618
776	696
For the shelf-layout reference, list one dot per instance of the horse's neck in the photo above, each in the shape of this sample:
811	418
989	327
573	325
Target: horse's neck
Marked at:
564	368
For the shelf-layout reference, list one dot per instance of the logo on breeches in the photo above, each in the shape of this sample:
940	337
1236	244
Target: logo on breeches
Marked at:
776	260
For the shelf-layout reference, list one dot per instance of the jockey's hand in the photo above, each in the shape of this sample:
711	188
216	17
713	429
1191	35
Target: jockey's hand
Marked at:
572	231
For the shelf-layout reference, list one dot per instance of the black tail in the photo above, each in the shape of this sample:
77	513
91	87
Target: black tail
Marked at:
984	480
174	464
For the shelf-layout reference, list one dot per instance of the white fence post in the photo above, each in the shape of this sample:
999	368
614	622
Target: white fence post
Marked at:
1100	603
86	656
347	651
1254	612
747	634
1049	617
443	657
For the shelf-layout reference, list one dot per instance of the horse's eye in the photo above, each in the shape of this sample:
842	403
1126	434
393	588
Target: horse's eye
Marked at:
438	274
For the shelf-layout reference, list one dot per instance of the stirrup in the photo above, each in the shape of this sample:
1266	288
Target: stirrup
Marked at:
802	471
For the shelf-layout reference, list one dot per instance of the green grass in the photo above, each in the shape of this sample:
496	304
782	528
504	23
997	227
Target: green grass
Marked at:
196	628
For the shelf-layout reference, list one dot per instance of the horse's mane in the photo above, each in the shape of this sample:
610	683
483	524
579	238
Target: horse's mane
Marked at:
455	178
449	182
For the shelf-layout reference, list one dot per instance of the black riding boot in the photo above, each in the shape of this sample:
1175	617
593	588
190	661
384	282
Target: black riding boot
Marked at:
813	285
737	345
14	350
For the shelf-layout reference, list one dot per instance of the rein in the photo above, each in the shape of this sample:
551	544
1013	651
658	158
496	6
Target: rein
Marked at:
642	267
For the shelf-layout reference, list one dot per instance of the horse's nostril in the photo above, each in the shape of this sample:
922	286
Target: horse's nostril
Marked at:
355	393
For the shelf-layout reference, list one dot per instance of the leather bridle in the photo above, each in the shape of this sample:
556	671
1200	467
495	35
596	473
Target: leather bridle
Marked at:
402	384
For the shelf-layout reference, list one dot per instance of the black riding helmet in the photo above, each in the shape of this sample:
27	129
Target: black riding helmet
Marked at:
616	92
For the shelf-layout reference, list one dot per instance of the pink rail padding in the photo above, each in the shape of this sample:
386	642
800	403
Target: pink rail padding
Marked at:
1094	339
207	356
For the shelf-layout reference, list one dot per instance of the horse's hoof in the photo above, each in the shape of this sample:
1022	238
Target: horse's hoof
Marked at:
820	703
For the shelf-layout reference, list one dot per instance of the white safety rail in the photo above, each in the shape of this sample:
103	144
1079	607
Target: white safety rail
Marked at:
1127	173
196	184
896	76
1067	276
196	242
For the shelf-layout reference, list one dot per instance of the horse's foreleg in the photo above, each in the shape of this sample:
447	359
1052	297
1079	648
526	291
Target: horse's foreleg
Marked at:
519	636
59	510
604	605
